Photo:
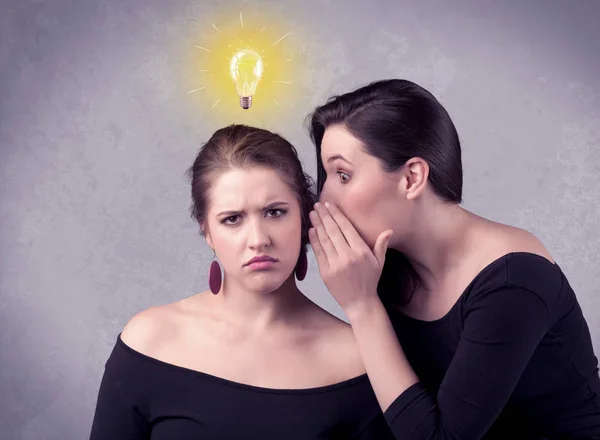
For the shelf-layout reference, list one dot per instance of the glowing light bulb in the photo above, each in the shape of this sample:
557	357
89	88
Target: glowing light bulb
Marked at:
246	69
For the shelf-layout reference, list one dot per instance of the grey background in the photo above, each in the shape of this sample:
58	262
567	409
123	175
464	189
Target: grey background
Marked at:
97	130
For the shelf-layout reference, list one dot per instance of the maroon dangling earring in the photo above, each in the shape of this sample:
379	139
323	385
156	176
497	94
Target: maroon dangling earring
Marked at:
214	276
302	266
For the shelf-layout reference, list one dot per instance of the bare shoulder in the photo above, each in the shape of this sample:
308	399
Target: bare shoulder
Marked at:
148	330
337	345
508	239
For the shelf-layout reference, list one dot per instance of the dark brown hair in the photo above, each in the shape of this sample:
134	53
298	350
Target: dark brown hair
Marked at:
242	146
396	120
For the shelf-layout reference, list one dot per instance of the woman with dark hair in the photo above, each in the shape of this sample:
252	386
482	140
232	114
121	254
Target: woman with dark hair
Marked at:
468	328
254	359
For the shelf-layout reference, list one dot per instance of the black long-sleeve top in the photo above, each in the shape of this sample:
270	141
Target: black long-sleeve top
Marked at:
513	359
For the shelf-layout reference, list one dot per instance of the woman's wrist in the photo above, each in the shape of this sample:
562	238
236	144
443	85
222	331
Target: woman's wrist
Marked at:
366	310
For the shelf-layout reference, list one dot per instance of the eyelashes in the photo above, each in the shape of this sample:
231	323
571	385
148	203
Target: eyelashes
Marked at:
344	177
229	220
233	220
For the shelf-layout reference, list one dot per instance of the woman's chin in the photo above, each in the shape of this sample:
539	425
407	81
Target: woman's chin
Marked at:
265	283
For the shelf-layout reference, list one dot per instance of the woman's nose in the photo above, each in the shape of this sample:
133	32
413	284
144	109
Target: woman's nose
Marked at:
326	195
258	236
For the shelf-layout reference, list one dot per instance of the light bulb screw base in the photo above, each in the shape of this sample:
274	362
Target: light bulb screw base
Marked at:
245	102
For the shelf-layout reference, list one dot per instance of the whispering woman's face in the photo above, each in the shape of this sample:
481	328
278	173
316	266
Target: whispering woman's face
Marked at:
357	183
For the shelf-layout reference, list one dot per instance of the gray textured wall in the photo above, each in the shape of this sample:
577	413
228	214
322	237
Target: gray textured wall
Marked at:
98	128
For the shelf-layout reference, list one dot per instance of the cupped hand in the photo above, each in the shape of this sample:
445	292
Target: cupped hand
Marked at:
349	268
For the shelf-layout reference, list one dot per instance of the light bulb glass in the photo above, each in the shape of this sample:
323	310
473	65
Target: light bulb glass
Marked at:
246	69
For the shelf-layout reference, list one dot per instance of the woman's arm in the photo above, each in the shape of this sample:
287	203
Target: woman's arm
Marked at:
502	329
377	429
114	418
387	367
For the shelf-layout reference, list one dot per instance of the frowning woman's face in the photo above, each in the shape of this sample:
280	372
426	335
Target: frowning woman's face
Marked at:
252	214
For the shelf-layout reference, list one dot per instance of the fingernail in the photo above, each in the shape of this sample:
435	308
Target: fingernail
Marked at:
317	205
327	204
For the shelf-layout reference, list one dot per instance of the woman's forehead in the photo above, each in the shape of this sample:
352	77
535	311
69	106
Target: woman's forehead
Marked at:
254	187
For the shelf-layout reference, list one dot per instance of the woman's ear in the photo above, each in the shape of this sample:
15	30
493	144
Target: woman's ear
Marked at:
415	175
207	235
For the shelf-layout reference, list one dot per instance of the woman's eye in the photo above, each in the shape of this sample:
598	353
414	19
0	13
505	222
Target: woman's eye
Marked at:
230	220
275	212
343	176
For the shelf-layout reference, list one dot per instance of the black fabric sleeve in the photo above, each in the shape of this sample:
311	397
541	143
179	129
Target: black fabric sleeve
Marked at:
114	418
377	429
502	328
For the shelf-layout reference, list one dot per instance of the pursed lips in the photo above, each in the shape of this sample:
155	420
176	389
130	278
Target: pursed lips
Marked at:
261	259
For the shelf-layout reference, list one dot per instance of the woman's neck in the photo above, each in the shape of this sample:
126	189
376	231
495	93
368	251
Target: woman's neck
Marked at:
260	311
439	241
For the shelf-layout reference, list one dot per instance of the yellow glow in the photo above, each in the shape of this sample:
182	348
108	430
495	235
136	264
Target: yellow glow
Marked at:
213	52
